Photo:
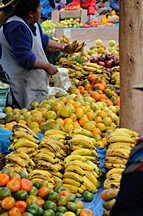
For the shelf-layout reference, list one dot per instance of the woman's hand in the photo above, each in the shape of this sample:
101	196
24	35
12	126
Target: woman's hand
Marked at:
51	69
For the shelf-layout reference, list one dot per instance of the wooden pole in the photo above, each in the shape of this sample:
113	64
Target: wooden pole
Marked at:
131	61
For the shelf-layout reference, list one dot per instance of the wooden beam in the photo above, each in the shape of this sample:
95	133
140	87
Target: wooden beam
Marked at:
131	61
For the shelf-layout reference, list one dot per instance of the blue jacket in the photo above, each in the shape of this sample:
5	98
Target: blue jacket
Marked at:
47	6
114	4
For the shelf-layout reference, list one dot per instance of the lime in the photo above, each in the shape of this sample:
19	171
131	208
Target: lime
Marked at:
88	196
49	212
50	205
52	196
72	206
59	188
62	209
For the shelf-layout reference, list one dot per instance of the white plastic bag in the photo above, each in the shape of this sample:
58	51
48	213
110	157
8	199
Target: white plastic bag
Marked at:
61	83
61	79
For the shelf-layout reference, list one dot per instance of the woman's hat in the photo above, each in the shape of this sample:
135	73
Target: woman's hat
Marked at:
4	4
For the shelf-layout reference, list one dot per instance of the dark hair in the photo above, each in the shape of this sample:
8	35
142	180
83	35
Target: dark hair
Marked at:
23	7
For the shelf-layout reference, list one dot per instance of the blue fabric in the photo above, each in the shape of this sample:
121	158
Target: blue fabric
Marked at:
20	39
114	4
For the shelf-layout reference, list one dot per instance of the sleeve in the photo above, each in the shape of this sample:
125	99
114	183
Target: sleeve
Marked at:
20	39
44	38
92	7
0	51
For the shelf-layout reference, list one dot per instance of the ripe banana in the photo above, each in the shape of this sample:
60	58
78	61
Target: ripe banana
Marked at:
26	150
46	157
114	171
128	131
92	178
18	160
75	157
57	180
85	152
41	172
46	151
23	142
76	169
72	188
116	160
123	153
74	176
23	128
82	188
82	132
23	134
127	146
54	132
71	182
114	139
111	166
89	185
111	184
83	141
58	174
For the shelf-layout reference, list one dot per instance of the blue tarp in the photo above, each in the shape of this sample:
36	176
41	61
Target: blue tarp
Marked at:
97	204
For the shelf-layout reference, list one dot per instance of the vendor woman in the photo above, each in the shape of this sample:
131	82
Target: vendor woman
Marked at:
23	56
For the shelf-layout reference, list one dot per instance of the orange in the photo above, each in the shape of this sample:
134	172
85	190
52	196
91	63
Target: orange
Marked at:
90	115
68	121
101	126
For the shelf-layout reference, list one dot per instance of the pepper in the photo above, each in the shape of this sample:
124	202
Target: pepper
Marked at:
21	195
4	192
34	191
33	209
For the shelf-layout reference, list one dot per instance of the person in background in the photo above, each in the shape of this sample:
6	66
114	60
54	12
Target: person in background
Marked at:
23	57
47	6
129	200
114	4
89	5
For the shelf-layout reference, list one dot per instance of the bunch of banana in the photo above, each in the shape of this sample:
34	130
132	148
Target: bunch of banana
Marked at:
81	173
24	140
40	175
79	140
19	161
51	154
74	47
121	142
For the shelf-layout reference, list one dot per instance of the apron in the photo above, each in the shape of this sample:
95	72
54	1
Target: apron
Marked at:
26	85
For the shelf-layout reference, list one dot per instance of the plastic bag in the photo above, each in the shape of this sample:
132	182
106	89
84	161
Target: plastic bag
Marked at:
61	83
61	79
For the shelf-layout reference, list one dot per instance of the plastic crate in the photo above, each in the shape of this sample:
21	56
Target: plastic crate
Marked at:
3	97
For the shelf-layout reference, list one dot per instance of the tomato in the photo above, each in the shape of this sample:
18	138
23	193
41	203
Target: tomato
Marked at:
86	212
39	201
64	193
8	202
4	179
14	185
43	191
26	184
21	205
14	212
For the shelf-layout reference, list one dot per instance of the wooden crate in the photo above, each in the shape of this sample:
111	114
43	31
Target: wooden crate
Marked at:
65	14
89	34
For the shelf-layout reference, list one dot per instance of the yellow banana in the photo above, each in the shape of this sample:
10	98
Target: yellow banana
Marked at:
58	174
22	142
50	144
17	160
26	150
23	134
57	180
46	157
110	184
92	178
46	151
123	153
89	68
24	128
43	177
82	131
54	132
116	160
84	141
95	167
76	169
114	139
38	180
128	131
81	164
89	185
71	182
111	166
114	171
74	176
40	172
127	146
74	157
85	152
82	188
71	188
115	177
